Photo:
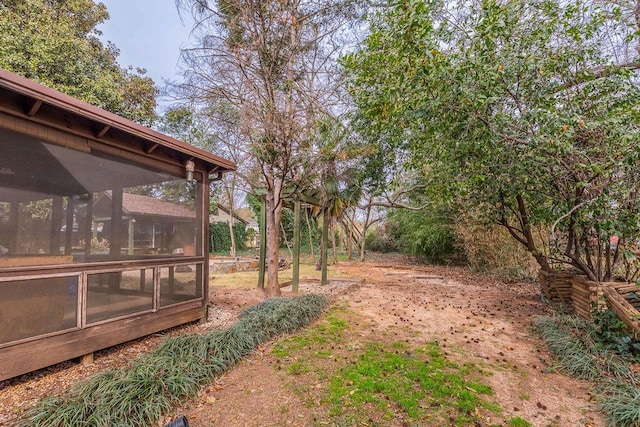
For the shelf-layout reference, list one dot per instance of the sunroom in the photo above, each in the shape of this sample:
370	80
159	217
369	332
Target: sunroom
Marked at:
103	228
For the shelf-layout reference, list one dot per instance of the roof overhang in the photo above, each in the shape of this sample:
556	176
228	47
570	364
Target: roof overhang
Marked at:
23	100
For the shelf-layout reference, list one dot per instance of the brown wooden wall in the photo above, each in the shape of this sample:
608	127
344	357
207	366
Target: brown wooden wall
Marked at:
22	358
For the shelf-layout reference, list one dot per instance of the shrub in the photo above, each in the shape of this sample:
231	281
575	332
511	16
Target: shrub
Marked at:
491	249
427	234
378	241
584	352
220	239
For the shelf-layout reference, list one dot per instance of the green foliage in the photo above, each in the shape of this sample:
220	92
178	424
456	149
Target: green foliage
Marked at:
379	241
56	43
490	248
621	402
220	240
183	124
422	384
426	234
287	224
586	352
150	386
534	126
615	335
573	340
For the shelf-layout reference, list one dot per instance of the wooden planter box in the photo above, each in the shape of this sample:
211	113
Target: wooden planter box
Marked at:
556	286
587	296
624	299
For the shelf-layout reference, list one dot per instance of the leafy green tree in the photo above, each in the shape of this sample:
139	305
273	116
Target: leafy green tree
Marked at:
55	42
524	110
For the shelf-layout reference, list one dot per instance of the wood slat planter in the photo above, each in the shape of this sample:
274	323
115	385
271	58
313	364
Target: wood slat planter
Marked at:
556	286
625	302
587	296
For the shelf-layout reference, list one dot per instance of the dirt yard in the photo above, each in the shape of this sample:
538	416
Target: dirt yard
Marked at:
473	318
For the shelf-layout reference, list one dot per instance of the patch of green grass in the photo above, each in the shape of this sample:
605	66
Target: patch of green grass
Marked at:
327	332
249	279
420	384
518	422
298	367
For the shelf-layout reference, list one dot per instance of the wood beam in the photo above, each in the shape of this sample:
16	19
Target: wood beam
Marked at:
152	148
34	108
102	132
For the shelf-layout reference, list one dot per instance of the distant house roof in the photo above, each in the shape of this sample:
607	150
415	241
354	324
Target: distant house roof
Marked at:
235	214
135	204
144	205
227	211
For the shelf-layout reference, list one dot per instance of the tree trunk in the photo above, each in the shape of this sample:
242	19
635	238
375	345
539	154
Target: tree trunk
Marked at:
306	213
365	226
274	214
333	241
229	186
350	244
524	234
232	249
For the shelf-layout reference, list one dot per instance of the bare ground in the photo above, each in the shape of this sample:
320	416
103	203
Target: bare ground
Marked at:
474	318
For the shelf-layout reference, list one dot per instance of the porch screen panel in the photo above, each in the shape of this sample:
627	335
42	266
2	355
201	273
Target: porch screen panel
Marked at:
180	283
117	294
60	205
29	308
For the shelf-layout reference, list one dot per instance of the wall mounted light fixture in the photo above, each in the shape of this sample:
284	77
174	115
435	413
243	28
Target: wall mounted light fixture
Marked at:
190	167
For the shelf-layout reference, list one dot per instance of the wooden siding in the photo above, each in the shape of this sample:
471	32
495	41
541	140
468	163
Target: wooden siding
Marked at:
22	358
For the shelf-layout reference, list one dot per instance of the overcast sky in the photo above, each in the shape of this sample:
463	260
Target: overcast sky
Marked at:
149	34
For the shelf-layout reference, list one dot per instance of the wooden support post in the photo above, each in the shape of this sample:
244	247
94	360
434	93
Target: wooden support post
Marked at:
172	281
88	232
202	241
115	241
143	279
263	243
68	237
87	359
325	241
56	223
130	235
296	247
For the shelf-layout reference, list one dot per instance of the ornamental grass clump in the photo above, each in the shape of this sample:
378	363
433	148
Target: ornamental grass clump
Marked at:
577	346
571	340
620	400
140	393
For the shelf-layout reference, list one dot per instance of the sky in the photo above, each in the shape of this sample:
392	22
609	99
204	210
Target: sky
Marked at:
149	34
